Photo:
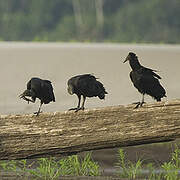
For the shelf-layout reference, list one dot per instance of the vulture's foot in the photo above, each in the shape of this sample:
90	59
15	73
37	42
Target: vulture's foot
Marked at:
138	104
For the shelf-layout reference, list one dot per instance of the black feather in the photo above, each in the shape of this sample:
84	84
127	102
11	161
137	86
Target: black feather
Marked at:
38	88
86	85
145	79
41	89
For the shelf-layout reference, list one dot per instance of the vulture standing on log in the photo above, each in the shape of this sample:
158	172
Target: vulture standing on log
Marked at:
145	80
38	88
86	86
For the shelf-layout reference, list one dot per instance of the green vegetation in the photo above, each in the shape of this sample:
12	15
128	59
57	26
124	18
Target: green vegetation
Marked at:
155	21
167	171
129	170
51	168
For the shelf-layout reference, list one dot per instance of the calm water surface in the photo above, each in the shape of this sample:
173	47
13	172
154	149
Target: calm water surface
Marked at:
60	61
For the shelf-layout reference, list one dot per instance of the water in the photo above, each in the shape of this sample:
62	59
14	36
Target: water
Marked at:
60	61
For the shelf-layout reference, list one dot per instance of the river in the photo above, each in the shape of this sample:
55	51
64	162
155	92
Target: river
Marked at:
58	62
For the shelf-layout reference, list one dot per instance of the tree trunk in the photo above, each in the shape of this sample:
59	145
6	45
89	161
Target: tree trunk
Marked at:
49	134
78	16
99	18
99	12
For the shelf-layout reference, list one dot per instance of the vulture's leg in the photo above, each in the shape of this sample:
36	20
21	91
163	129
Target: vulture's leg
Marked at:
82	107
39	110
79	101
139	104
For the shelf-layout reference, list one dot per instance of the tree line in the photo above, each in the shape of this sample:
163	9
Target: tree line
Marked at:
139	21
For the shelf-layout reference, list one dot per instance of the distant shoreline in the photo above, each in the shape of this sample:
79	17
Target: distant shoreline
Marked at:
107	45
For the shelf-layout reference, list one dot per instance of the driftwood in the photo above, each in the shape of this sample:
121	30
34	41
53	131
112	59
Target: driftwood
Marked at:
50	134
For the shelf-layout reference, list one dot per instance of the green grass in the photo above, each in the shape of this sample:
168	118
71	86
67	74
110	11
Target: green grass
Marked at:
127	169
167	171
51	168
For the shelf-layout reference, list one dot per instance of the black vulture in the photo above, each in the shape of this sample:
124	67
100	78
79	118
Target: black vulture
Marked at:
145	80
38	88
85	85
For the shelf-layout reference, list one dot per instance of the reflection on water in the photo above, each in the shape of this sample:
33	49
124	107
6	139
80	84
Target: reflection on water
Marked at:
60	61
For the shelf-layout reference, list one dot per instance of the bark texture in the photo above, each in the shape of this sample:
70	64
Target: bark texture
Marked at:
65	133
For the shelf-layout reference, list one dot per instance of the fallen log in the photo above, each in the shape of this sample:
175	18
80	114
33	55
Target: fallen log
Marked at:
65	133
